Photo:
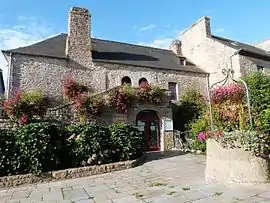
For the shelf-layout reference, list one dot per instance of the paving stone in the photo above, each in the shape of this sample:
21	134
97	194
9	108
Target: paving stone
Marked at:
53	195
183	177
76	194
127	199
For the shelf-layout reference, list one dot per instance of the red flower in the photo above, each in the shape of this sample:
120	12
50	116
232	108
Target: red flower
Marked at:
23	120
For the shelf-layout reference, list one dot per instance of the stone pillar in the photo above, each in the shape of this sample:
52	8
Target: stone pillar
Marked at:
78	44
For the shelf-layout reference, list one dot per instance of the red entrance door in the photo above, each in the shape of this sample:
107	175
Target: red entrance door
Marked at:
148	125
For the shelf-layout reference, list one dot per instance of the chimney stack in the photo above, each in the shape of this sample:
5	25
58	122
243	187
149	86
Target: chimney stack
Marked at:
176	47
78	44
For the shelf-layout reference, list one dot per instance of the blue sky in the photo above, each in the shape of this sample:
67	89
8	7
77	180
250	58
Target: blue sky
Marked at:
148	22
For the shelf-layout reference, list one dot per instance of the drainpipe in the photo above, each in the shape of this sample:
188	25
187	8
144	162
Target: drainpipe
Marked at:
235	53
9	74
209	102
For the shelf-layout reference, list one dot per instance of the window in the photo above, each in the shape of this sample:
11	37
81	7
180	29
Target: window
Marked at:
126	80
182	61
143	82
259	68
172	88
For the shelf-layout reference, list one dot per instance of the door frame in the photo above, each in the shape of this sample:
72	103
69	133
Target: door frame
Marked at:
148	116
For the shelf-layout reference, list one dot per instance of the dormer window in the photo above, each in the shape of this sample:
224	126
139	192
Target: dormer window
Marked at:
182	61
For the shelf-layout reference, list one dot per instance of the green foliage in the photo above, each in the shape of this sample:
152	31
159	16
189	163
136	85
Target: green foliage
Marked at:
88	142
259	88
41	147
192	106
252	141
128	140
265	120
199	125
8	152
23	107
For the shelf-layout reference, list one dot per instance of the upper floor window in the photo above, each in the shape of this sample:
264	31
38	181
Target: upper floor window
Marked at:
259	68
143	82
126	80
173	90
182	61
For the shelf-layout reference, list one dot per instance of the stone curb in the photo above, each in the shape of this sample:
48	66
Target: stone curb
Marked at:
18	180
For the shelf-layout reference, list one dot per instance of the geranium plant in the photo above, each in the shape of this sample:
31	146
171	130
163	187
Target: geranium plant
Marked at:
150	94
121	98
72	89
88	105
24	106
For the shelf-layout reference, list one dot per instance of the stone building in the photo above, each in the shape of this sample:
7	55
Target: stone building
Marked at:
213	53
102	65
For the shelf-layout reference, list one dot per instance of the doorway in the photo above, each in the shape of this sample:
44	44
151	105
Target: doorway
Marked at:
148	124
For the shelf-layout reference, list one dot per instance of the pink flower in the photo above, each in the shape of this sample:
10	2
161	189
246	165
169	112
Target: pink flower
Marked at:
201	136
23	120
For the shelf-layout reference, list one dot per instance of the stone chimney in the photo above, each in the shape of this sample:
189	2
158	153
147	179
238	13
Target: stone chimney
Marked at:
78	44
176	47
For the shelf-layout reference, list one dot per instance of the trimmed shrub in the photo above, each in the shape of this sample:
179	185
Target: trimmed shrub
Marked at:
128	140
89	144
42	148
8	152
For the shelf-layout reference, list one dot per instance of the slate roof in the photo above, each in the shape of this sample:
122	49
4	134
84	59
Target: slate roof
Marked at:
111	52
245	49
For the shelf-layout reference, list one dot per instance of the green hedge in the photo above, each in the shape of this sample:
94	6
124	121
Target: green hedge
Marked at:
40	147
127	140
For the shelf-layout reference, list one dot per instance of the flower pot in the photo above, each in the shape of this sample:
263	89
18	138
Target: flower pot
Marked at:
234	165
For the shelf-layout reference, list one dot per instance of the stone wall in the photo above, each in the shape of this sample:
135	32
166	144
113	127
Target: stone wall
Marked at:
248	65
234	165
32	72
208	54
7	124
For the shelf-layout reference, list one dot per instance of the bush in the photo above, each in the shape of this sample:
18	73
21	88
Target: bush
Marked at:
199	125
191	107
259	88
128	140
8	153
265	120
42	148
89	144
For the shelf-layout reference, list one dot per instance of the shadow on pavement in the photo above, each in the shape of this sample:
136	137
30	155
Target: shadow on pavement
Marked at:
150	156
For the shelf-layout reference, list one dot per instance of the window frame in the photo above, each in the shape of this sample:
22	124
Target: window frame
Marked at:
175	89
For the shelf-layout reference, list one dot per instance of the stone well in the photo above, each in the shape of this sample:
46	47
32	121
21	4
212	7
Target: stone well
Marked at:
234	165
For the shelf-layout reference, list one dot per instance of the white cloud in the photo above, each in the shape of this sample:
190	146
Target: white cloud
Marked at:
162	43
148	27
27	31
158	43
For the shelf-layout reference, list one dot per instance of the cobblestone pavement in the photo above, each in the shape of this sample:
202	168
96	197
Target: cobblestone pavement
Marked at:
169	179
